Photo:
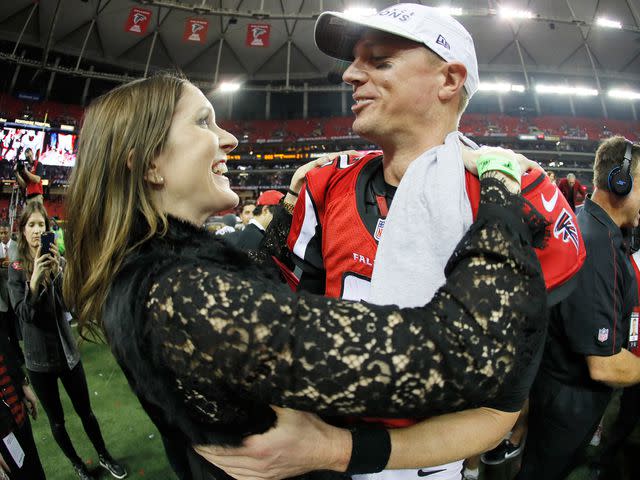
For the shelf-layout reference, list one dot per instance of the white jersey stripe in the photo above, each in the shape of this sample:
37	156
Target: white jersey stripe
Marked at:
308	229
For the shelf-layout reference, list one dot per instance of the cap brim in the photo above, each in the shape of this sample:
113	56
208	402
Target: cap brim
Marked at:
336	34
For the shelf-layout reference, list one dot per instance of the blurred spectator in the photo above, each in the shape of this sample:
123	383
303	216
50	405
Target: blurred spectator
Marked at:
252	235
573	190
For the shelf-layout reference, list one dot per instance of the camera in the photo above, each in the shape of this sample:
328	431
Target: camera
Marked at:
19	166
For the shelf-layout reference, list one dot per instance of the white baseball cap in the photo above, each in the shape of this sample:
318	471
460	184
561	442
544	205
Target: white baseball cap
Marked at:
336	34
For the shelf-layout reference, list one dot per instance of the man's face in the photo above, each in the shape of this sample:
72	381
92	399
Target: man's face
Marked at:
395	85
247	213
28	155
4	234
571	181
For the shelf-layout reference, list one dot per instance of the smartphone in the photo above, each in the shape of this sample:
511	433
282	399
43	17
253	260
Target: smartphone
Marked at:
46	240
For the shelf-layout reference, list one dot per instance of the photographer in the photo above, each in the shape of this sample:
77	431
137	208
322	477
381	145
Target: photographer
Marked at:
29	174
50	349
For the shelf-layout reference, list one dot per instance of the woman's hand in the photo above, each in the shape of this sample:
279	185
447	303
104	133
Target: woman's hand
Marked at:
55	259
41	266
298	177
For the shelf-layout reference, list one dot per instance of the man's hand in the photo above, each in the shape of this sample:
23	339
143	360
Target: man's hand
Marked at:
30	401
299	443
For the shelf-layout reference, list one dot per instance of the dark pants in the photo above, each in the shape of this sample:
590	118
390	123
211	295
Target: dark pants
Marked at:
562	420
45	384
624	424
31	467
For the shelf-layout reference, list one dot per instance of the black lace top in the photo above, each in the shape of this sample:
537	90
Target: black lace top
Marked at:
207	333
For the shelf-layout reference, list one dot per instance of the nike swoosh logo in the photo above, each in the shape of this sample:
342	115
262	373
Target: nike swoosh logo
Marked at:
424	473
549	205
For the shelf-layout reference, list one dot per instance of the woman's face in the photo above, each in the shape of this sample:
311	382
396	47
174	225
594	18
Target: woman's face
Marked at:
35	227
188	173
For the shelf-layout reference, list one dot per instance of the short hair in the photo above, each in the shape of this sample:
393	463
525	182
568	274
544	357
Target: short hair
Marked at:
261	208
247	203
610	154
570	176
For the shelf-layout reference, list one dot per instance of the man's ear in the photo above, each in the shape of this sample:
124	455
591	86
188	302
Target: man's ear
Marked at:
455	74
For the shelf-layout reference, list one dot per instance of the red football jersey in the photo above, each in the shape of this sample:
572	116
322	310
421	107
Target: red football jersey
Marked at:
329	232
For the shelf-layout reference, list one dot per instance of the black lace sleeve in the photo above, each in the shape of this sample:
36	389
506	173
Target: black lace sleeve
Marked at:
214	330
274	243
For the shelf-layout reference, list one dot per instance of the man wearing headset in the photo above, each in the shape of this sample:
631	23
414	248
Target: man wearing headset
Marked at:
586	354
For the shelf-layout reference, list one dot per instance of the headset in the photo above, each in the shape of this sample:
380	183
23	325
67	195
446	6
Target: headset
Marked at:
620	181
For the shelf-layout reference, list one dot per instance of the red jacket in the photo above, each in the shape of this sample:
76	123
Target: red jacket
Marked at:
574	195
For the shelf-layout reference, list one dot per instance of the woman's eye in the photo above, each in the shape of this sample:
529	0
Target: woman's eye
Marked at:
204	122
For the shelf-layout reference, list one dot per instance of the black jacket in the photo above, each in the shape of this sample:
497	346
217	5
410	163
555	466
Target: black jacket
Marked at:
249	238
208	338
49	344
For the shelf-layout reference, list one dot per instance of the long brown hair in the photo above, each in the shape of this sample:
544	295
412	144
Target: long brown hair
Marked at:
122	132
24	251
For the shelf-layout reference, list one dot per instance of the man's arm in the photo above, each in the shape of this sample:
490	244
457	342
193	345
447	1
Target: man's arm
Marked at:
617	371
280	453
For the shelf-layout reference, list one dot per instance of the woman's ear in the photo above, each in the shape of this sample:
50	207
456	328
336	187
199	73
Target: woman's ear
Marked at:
151	175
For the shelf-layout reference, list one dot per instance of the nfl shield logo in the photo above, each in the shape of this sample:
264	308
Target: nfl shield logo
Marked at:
378	233
603	334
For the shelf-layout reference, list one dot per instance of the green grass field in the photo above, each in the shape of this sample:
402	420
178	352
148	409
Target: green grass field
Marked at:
129	434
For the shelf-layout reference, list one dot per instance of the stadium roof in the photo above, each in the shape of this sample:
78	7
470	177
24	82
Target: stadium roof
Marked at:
561	38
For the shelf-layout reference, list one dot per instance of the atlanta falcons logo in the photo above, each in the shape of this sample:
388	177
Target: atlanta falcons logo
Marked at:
196	27
565	229
139	17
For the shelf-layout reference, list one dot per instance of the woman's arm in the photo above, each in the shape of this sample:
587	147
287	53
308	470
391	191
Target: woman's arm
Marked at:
23	301
212	328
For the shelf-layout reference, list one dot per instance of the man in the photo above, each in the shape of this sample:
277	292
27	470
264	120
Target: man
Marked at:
29	177
572	190
253	233
586	355
412	70
5	244
247	212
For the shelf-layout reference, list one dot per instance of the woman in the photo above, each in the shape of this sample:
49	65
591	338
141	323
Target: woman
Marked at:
35	289
207	336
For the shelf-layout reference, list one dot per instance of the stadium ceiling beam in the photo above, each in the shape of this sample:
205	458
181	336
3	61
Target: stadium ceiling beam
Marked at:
24	27
47	48
592	57
634	12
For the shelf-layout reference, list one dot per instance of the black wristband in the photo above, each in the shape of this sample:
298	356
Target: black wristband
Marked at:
291	192
370	451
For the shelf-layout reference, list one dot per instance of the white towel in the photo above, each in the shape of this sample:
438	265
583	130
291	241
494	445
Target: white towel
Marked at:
428	217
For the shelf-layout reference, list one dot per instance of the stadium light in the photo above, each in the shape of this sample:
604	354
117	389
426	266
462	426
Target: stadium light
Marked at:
608	23
500	87
567	90
360	11
453	11
508	12
229	87
624	94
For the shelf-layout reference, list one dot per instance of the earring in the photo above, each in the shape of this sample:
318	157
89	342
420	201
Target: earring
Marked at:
159	179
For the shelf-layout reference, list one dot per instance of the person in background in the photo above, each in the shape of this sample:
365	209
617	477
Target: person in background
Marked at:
18	402
572	190
586	354
253	233
246	214
29	176
51	353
